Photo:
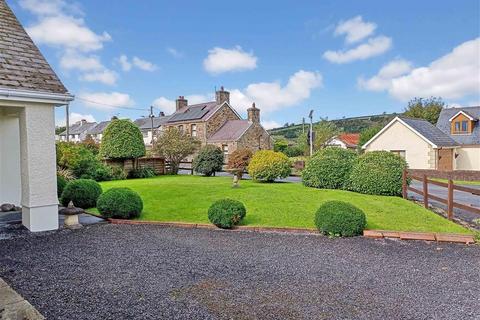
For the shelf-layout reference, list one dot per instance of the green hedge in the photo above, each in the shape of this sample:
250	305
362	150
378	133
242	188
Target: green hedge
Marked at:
338	218
268	165
121	203
122	140
209	160
226	213
329	168
61	184
83	192
378	172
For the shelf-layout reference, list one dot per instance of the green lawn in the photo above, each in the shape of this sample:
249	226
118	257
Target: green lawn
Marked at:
187	198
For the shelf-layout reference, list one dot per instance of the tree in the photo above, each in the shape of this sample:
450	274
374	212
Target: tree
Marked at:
239	160
174	146
122	140
367	134
279	145
302	143
428	109
324	131
209	160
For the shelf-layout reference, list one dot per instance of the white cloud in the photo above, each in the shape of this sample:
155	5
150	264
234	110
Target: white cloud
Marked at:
43	7
106	100
373	47
355	29
271	96
453	76
141	64
107	77
383	79
75	117
67	32
144	64
74	61
174	52
221	60
270	124
124	63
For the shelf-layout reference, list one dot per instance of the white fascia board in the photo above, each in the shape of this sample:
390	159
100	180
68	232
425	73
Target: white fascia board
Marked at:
461	112
15	95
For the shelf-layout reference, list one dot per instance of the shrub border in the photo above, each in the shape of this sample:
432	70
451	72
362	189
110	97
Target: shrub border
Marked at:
376	234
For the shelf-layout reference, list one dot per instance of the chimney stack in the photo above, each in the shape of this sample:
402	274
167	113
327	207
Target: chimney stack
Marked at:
180	103
161	114
221	96
253	114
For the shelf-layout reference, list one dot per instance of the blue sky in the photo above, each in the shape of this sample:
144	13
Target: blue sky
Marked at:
341	58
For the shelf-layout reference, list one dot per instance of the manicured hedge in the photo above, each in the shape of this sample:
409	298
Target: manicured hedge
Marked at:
121	203
61	184
268	165
338	218
378	172
329	168
226	213
122	140
82	192
209	160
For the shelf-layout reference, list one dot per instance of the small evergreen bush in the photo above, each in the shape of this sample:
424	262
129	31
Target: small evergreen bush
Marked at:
226	213
141	173
268	165
338	218
208	161
378	172
121	203
83	192
61	183
329	168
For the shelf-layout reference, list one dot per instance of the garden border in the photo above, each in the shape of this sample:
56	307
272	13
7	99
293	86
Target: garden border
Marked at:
376	234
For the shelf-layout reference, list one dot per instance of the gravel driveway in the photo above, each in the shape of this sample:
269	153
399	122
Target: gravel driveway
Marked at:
149	272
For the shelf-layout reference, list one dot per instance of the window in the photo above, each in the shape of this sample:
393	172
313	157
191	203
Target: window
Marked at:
193	130
460	126
401	153
464	126
225	149
180	128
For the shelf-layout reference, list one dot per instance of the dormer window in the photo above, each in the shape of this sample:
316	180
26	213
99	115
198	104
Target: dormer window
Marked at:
462	123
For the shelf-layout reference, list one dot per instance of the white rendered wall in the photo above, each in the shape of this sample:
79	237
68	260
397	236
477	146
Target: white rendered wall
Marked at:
468	158
10	183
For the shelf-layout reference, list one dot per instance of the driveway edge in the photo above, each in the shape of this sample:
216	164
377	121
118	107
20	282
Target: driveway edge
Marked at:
14	306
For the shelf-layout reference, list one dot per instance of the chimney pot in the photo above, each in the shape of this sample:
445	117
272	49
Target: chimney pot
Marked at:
180	103
222	96
253	114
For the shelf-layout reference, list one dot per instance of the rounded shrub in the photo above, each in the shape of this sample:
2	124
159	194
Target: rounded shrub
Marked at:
340	218
378	172
121	203
329	168
122	139
61	183
82	192
268	165
226	213
209	160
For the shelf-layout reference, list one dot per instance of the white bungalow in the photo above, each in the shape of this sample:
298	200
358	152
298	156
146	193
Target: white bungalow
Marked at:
29	93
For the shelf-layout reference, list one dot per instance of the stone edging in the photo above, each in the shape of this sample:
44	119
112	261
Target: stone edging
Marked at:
377	234
427	236
13	306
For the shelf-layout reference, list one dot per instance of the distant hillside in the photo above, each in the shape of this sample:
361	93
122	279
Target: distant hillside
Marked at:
349	125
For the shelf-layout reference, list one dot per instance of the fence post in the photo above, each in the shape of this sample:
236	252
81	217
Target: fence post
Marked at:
450	200
404	183
425	191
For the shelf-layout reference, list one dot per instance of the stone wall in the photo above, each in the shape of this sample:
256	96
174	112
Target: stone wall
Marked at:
219	118
255	138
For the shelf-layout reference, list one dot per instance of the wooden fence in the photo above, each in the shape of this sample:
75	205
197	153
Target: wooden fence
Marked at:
450	186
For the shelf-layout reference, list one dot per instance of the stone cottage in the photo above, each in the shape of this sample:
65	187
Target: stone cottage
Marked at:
218	123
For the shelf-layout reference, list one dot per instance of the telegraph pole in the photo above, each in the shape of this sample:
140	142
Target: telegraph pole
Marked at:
303	125
151	119
311	132
67	121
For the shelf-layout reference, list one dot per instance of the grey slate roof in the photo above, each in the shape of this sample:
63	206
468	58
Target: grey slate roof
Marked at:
232	130
22	66
98	128
194	112
444	125
79	128
430	132
145	123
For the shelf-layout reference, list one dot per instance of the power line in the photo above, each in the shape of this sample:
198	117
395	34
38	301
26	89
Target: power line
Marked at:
112	106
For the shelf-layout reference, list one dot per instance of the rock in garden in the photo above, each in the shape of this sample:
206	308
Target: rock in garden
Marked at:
7	207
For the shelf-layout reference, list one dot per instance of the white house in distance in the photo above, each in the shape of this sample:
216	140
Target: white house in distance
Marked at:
29	92
453	144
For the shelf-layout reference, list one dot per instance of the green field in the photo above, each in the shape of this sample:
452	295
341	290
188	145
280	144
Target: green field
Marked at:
187	198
